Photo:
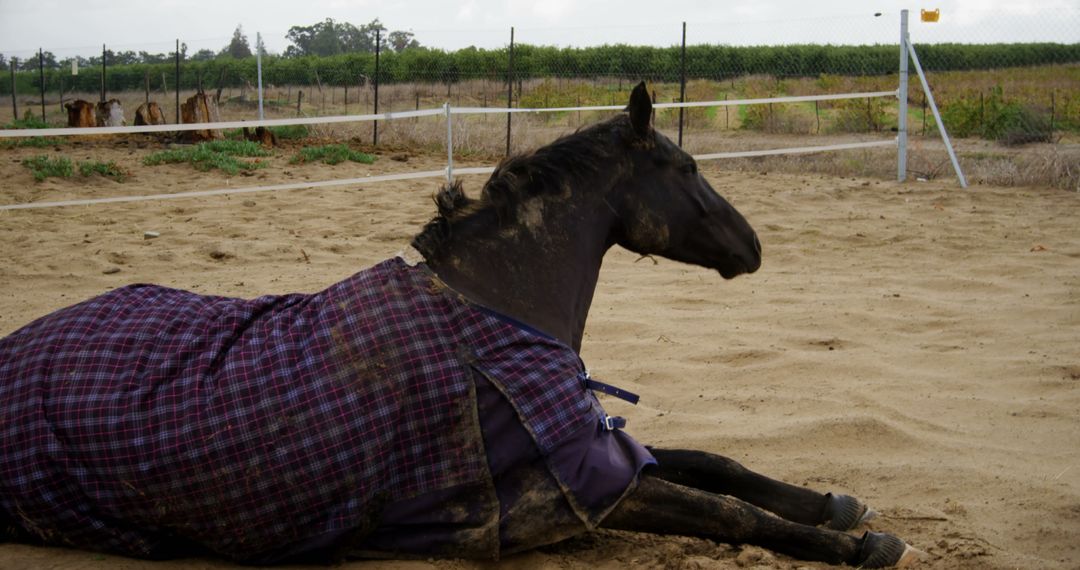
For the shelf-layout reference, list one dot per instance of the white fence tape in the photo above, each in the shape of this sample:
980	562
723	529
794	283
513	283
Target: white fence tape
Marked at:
404	176
403	115
218	125
12	133
794	150
249	189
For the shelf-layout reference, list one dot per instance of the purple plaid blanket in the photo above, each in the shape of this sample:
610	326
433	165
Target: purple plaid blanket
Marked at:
253	426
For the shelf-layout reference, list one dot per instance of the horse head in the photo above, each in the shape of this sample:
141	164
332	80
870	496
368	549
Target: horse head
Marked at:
666	207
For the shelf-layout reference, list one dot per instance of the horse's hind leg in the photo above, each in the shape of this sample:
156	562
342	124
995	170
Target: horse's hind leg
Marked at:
662	507
718	474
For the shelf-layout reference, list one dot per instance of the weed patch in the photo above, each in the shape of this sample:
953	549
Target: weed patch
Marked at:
331	154
215	154
107	169
45	167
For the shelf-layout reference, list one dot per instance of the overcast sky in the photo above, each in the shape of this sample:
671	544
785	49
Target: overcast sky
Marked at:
81	26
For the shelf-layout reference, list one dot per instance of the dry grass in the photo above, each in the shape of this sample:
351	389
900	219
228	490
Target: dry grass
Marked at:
716	129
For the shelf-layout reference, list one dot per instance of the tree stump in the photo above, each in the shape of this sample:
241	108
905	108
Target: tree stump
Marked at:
262	135
80	114
199	108
149	114
110	113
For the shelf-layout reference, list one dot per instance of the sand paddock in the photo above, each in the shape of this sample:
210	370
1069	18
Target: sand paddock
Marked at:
915	345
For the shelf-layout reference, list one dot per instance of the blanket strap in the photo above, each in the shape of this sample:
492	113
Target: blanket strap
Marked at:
610	390
610	423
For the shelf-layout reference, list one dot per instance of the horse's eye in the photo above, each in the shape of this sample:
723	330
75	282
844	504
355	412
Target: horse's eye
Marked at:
689	168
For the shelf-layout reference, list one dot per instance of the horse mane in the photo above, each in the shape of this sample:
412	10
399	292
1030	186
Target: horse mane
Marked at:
546	170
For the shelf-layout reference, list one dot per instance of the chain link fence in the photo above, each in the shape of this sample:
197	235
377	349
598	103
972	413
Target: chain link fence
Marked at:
994	93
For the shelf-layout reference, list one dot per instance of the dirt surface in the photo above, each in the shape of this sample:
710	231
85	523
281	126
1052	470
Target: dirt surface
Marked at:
915	345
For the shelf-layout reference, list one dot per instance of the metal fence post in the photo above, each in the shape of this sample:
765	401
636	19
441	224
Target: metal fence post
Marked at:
177	81
682	82
902	95
41	75
375	124
937	116
103	73
449	144
258	66
14	99
509	89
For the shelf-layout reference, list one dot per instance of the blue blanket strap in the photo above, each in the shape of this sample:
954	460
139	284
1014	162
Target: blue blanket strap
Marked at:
610	390
610	423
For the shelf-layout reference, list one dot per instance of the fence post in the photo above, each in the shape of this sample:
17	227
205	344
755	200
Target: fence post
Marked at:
375	124
14	99
449	144
902	95
102	72
258	66
178	81
41	75
937	116
509	89
682	82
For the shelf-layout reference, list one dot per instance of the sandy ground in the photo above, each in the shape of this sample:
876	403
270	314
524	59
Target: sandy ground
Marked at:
916	345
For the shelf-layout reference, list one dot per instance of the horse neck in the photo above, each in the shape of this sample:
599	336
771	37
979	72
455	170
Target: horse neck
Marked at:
540	269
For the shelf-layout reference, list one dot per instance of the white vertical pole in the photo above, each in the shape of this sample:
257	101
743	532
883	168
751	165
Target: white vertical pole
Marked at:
937	116
258	65
449	144
902	126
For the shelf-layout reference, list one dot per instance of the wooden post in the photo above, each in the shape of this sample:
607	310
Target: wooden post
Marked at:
299	98
817	114
103	72
146	84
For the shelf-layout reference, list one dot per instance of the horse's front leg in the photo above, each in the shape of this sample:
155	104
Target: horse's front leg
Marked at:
662	507
718	474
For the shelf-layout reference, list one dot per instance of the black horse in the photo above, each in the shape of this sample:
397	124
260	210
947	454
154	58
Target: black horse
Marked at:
429	409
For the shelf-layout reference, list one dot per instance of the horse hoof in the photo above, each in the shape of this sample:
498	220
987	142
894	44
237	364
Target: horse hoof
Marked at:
844	512
880	550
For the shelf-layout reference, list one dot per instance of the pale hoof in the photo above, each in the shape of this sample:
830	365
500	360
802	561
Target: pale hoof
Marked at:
880	550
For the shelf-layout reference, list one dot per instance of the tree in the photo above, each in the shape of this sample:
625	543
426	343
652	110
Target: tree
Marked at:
401	41
238	48
331	38
3	61
203	55
31	63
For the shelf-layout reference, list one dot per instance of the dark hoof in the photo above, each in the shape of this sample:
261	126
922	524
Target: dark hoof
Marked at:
844	512
880	550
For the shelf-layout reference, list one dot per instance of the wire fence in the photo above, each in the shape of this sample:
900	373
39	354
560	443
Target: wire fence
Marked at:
1021	90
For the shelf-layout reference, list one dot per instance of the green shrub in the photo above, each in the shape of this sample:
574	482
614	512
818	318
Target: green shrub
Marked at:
214	154
994	118
107	169
331	154
859	115
44	167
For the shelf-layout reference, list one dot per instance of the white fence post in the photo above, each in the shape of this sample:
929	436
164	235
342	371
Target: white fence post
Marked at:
449	144
937	116
902	122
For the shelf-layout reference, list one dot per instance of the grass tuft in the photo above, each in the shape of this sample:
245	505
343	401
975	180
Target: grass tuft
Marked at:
221	155
331	154
44	167
107	169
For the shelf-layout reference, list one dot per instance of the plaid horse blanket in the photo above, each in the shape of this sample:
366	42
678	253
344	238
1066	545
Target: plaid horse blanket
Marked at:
254	427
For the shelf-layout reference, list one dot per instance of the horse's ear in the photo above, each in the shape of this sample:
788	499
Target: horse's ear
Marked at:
640	109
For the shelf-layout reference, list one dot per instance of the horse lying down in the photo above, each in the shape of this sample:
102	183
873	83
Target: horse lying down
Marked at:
414	409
